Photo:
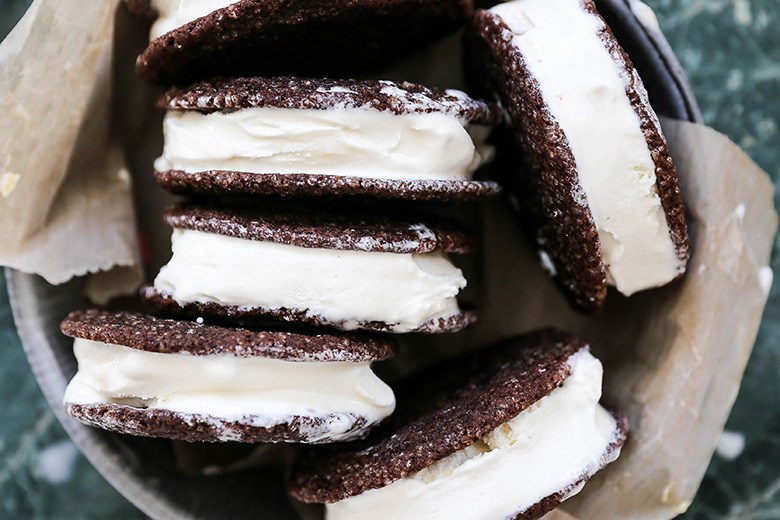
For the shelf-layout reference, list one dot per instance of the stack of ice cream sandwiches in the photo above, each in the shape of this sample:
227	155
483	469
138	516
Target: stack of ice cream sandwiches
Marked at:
268	309
274	304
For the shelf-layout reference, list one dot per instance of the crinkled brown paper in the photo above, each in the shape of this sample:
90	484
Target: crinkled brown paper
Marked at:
673	357
65	194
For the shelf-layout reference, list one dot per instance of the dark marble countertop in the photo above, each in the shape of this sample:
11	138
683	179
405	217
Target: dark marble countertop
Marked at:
730	50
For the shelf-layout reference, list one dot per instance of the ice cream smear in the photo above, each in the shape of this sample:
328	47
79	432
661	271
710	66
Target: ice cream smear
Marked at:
550	447
254	390
585	91
340	287
354	142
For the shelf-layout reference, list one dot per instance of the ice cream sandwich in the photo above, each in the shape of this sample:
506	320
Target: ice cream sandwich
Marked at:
309	137
596	184
198	39
507	432
342	270
156	377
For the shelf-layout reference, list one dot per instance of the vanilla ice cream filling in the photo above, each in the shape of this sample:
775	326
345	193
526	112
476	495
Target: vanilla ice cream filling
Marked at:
585	91
254	390
352	142
344	288
547	448
175	13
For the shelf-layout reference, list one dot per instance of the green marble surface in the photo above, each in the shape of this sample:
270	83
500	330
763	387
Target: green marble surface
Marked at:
730	50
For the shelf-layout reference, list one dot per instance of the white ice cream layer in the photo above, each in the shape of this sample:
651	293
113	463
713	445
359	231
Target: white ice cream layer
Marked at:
259	391
585	91
544	450
351	142
341	287
175	13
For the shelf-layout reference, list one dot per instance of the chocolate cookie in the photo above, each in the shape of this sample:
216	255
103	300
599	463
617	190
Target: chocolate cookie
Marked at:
251	266
269	37
594	181
316	137
157	377
289	92
506	432
166	336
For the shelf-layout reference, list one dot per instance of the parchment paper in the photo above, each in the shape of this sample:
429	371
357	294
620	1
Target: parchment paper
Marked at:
673	357
65	193
684	367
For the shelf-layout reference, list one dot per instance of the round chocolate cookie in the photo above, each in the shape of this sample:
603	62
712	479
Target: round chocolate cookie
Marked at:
301	37
156	377
342	270
324	94
167	336
132	420
546	179
259	316
327	230
454	408
335	147
221	182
